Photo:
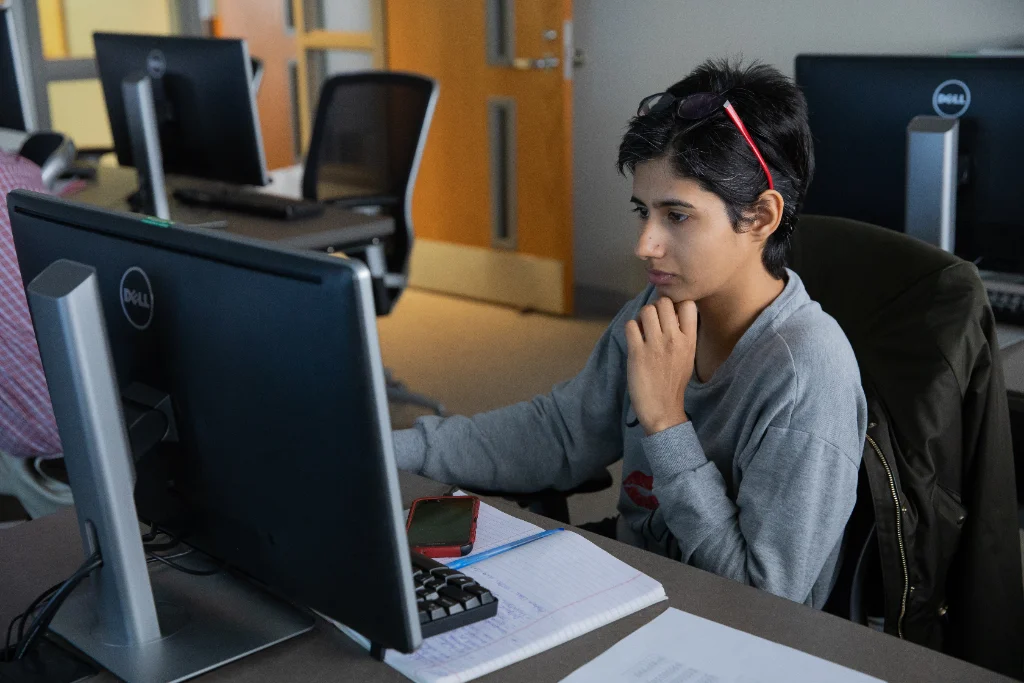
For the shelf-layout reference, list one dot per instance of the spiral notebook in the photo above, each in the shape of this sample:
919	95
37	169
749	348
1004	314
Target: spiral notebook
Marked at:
549	591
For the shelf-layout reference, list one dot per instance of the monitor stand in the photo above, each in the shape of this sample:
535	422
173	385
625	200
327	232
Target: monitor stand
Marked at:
930	209
151	197
152	627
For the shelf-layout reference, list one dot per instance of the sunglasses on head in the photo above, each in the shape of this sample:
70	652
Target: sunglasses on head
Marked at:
699	106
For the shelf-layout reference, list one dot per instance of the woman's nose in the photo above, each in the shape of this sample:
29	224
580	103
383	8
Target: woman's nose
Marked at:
648	244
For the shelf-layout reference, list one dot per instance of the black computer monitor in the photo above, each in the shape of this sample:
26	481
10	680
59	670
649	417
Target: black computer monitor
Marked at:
15	105
205	104
283	465
859	108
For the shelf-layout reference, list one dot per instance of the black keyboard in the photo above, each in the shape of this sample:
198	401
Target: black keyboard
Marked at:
446	598
1007	305
247	201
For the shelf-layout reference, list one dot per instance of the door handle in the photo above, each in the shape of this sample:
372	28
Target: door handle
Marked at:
542	64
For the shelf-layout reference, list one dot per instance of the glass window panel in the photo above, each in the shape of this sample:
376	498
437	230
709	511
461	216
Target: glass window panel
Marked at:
77	110
322	64
339	15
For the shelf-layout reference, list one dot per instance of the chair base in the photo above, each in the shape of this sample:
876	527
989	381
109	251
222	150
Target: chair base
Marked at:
399	393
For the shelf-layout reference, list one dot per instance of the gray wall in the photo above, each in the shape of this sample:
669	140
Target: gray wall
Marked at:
639	47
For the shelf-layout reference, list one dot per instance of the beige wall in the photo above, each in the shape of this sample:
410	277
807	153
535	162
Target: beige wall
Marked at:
83	17
77	110
76	107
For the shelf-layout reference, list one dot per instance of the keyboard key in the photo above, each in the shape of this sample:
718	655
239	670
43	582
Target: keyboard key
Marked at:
445	572
433	584
434	610
467	600
450	605
425	563
460	580
454	593
479	591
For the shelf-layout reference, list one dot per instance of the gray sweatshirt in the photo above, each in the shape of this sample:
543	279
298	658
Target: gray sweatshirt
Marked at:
756	487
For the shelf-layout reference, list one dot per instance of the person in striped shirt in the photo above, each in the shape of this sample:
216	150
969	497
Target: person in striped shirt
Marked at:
27	425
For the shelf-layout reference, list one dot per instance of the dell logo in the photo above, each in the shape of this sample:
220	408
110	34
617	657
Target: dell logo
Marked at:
137	298
130	296
951	99
156	64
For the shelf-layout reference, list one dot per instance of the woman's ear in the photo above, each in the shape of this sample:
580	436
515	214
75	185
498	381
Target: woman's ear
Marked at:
766	215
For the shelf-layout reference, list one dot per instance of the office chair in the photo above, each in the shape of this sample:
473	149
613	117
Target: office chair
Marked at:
257	74
53	153
33	485
924	336
368	139
552	503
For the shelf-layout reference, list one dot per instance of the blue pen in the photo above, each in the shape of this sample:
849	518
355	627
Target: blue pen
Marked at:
487	554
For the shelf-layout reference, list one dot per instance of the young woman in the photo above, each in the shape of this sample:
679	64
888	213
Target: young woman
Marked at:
732	399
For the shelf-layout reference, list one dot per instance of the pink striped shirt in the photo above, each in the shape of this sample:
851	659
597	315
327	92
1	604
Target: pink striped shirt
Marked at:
27	425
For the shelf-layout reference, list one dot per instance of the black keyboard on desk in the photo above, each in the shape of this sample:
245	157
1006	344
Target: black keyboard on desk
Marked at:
247	201
1007	305
446	598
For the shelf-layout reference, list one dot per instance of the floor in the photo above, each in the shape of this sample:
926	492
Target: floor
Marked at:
475	357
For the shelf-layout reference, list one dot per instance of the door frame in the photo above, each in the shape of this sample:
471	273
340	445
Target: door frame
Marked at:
372	41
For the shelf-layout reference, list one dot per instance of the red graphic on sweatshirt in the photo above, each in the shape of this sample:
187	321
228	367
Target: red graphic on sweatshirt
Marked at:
638	487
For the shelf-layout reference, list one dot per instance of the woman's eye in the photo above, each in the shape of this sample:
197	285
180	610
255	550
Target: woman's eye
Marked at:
640	211
676	217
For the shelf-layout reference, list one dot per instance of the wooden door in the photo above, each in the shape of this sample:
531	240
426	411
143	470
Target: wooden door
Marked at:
264	24
492	207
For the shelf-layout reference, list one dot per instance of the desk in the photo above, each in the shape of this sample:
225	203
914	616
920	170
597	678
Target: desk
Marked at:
37	554
334	229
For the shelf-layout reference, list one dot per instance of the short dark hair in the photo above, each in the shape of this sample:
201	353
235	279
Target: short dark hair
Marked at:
713	152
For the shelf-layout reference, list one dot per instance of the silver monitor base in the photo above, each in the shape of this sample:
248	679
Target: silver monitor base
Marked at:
205	622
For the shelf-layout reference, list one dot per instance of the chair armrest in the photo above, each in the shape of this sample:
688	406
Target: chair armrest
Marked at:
360	201
93	152
552	502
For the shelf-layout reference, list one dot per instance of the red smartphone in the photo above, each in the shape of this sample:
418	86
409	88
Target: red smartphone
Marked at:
443	526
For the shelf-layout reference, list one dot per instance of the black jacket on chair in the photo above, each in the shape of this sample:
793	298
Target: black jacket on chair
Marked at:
937	478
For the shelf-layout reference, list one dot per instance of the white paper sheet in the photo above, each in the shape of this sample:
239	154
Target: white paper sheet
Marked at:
678	647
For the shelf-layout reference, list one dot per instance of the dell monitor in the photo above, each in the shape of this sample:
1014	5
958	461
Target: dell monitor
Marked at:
859	109
15	99
204	102
279	463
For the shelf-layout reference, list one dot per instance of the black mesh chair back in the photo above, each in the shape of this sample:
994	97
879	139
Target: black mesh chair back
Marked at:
368	138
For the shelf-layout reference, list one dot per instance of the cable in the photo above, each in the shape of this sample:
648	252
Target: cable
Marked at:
165	545
186	570
34	606
58	593
175	556
152	534
43	619
23	618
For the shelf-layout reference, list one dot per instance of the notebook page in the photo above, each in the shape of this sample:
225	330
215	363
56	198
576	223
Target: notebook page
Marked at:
678	646
550	591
